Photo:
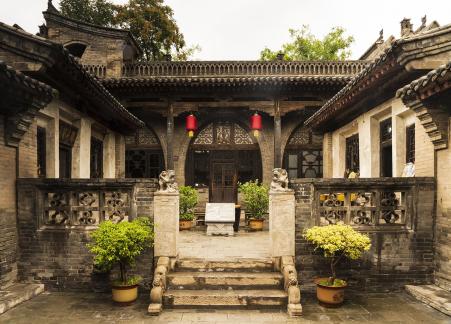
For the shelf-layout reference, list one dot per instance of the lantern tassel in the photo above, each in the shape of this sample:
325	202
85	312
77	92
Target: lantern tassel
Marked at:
190	133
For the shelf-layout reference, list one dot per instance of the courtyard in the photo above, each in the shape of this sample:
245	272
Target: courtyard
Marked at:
64	307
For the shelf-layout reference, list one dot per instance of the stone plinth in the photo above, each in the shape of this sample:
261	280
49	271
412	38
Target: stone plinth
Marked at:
220	229
166	218
282	223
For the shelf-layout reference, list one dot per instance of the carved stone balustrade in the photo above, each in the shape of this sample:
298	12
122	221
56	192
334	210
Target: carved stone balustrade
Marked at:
367	204
84	203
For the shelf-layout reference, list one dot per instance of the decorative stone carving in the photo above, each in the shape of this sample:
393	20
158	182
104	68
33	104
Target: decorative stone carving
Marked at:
166	181
279	180
291	285
158	286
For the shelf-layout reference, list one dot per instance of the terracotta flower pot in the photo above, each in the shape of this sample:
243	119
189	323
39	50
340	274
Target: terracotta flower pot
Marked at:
125	295
329	296
185	225
256	224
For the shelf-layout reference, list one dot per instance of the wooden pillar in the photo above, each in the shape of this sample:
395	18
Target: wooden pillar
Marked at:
277	135
170	137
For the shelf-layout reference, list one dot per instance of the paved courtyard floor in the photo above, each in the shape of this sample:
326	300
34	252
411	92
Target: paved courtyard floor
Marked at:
55	307
245	245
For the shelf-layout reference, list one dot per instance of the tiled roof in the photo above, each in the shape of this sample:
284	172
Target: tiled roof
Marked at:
61	57
335	105
12	77
441	74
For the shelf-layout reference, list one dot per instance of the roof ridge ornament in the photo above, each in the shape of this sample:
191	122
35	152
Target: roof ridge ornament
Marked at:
406	27
380	40
51	7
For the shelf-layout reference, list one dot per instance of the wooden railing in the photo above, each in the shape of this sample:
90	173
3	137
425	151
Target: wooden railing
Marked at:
376	203
242	68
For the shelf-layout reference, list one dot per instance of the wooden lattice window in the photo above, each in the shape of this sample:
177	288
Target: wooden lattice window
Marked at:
410	144
386	154
41	151
223	133
96	158
303	156
143	137
145	163
352	153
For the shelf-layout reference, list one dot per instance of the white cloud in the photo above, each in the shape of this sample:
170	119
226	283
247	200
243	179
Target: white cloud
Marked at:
239	29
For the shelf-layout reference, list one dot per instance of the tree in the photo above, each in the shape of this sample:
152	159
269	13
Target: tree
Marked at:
305	46
150	21
98	12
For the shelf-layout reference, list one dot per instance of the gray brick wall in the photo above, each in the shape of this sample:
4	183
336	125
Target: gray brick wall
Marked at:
59	257
396	258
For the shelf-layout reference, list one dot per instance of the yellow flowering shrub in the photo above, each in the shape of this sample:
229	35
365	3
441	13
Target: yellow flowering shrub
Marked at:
336	242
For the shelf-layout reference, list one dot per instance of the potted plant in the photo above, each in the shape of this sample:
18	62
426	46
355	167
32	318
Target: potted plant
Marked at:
256	202
336	242
120	243
188	200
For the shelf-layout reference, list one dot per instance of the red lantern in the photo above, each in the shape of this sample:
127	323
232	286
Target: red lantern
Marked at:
256	123
191	124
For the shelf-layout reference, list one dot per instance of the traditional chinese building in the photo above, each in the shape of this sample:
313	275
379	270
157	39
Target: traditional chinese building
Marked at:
88	128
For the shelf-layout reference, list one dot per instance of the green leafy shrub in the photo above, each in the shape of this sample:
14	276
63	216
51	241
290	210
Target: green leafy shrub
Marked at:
120	243
256	198
188	200
337	242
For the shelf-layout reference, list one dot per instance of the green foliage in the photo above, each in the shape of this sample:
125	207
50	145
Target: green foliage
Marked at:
256	198
120	243
98	12
305	46
336	242
150	21
188	200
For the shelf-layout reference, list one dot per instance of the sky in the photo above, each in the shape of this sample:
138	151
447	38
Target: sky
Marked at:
240	29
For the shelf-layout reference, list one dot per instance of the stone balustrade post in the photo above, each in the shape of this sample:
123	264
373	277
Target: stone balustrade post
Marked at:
166	219
282	223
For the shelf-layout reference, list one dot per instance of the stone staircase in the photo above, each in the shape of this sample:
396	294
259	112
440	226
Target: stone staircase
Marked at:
236	284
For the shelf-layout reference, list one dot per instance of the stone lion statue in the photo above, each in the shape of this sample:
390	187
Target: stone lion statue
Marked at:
166	181
279	180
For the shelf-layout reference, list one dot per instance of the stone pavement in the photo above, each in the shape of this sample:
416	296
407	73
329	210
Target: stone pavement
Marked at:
244	245
56	307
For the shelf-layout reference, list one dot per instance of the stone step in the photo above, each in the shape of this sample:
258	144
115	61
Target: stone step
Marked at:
225	280
236	265
225	298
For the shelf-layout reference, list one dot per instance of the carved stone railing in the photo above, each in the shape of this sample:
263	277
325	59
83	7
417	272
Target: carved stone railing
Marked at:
97	70
368	204
242	68
84	203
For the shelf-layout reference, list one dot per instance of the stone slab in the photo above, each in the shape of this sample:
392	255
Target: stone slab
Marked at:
433	296
220	213
18	293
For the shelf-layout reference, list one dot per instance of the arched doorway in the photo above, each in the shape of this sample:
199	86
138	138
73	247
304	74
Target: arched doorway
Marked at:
220	156
303	157
143	155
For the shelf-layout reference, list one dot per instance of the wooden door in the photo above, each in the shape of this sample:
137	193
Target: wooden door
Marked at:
223	182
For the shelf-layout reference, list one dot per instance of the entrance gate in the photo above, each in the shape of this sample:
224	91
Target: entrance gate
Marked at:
222	155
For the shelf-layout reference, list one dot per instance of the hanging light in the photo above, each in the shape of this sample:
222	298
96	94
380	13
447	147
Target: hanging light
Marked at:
256	123
191	124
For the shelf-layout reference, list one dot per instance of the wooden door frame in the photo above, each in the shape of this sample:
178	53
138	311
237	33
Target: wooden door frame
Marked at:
235	176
